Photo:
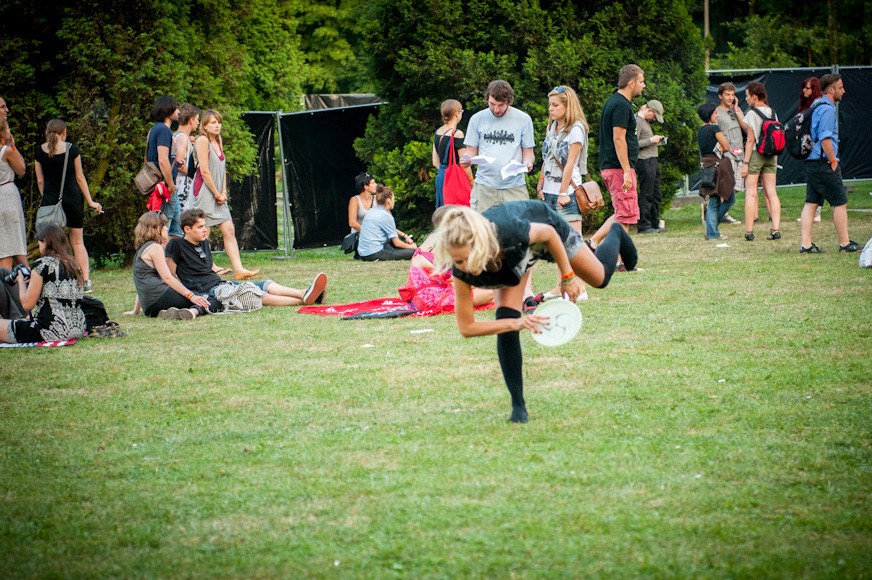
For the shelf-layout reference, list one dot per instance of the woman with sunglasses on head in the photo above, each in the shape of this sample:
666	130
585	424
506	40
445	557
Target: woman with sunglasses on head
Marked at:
564	161
210	188
497	249
52	293
452	113
361	203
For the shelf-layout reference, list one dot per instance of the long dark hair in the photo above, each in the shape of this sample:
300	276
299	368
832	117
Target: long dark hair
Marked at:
57	245
805	103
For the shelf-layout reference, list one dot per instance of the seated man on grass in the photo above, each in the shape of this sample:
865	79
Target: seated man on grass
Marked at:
190	259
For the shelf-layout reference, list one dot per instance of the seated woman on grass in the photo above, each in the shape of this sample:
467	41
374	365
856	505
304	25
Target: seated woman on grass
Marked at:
157	290
379	236
56	286
497	249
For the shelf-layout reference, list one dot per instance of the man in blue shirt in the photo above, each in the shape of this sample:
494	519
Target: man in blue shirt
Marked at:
823	175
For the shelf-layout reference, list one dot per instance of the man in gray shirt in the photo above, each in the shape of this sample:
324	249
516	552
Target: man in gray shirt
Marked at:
648	167
732	123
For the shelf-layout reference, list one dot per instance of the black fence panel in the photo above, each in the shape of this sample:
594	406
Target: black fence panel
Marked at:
855	123
321	166
253	198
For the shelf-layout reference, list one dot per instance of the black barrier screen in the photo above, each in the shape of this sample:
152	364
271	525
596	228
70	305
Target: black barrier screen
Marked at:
253	198
782	89
321	165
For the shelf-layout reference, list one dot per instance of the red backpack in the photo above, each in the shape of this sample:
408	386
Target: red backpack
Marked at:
772	139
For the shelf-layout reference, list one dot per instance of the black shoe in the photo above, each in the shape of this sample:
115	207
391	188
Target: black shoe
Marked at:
749	236
650	231
530	305
662	230
812	250
850	247
774	235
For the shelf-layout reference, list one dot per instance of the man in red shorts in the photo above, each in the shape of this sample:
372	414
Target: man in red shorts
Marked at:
619	149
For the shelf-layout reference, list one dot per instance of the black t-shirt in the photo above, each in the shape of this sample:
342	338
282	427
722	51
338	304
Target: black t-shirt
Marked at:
706	139
52	172
443	145
617	112
193	264
512	220
160	134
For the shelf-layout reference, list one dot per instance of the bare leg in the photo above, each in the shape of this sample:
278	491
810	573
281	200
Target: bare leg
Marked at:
4	330
273	300
601	233
278	290
6	262
840	220
77	239
750	202
773	204
482	296
806	221
231	246
577	227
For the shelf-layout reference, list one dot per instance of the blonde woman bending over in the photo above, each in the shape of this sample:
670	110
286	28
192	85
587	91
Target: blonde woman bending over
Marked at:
497	249
210	188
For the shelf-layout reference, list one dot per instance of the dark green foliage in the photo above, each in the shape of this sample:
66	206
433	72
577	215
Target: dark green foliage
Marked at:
99	65
425	52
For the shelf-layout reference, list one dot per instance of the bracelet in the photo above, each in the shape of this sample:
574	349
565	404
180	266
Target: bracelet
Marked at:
566	281
569	276
188	295
541	178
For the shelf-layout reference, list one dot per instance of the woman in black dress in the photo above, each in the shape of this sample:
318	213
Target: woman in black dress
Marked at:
497	249
53	293
49	163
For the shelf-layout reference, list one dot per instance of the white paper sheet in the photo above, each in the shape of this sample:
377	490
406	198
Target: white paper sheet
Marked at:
478	159
513	168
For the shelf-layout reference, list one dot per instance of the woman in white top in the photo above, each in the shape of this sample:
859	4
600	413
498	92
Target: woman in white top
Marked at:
757	167
565	142
13	236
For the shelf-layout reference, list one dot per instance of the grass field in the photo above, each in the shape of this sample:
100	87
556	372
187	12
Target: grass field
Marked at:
713	420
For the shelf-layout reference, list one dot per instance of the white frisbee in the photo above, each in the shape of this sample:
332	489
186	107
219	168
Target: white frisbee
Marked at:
564	322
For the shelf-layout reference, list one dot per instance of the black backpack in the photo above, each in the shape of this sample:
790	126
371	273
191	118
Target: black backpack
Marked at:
797	132
772	140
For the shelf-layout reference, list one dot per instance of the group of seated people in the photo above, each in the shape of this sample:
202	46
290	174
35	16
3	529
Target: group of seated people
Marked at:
369	214
177	278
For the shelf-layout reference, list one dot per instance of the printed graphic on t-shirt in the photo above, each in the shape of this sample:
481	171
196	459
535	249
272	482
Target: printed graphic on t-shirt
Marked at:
499	137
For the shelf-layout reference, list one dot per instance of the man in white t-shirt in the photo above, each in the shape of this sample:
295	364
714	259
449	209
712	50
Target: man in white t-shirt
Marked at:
503	132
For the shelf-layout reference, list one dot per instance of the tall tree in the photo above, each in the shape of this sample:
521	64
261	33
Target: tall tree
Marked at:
424	52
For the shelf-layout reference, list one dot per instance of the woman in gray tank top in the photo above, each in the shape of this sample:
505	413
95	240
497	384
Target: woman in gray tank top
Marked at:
158	292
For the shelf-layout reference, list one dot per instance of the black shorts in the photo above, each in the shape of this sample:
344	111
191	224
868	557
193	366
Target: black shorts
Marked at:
824	184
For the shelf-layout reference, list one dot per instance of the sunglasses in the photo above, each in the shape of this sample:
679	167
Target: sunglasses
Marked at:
558	90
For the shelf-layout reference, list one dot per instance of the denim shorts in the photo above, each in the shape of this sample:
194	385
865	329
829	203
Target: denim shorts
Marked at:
569	212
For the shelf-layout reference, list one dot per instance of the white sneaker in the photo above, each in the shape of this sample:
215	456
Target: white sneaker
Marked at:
549	296
582	297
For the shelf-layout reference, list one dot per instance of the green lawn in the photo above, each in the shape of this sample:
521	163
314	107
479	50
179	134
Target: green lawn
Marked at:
713	420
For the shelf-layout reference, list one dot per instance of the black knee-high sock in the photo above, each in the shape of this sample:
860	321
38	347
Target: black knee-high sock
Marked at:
618	241
511	360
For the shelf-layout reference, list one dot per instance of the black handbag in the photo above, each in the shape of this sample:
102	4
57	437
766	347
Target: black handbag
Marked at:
349	242
709	177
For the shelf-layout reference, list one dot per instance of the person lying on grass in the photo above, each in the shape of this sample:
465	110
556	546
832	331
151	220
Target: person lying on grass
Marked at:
497	249
190	259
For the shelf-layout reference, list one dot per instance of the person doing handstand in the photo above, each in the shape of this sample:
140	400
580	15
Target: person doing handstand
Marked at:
497	249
